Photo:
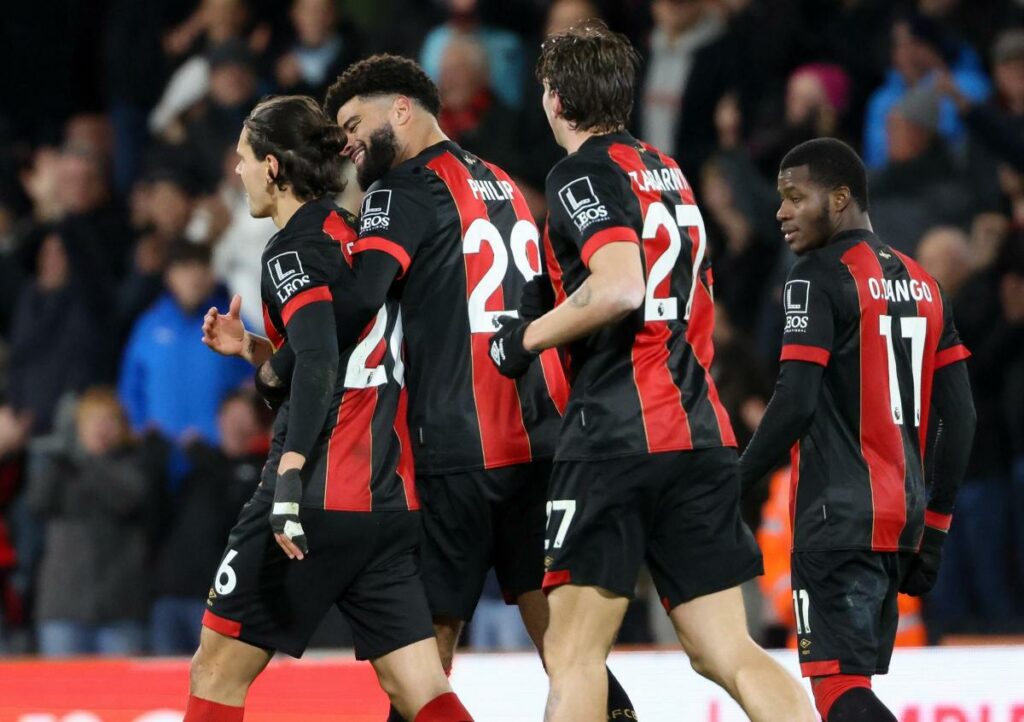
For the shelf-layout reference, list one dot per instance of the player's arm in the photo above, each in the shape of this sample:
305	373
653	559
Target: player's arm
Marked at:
806	349
226	334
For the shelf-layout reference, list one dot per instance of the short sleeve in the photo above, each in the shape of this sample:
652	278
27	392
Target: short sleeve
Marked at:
588	203
810	314
299	271
395	217
950	349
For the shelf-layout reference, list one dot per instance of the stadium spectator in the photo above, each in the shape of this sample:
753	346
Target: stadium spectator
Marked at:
320	48
196	521
920	49
505	55
93	583
945	253
165	350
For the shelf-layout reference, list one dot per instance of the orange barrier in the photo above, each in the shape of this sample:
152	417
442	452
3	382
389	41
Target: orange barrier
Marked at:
156	691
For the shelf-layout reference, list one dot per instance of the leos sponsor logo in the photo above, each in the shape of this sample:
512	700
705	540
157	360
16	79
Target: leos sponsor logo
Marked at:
796	303
374	215
581	202
287	274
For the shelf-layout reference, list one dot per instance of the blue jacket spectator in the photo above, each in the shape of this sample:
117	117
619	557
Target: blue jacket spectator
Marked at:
919	51
170	381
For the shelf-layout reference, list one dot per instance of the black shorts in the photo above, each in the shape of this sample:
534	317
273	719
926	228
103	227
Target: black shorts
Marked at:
366	563
678	510
476	520
846	610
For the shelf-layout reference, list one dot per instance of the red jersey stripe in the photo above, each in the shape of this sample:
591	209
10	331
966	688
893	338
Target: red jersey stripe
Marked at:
273	335
794	485
881	442
799	352
554	268
350	453
304	298
336	227
666	425
698	334
406	468
938	521
375	243
950	355
616	234
499	412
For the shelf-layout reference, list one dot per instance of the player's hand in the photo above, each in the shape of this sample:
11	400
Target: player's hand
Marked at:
284	515
224	332
538	297
507	350
924	568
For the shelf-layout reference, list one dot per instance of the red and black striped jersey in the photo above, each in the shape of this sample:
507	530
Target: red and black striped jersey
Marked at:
465	239
642	385
362	460
880	326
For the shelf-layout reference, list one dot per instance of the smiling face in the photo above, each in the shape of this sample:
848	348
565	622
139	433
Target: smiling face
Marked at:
370	136
804	213
256	177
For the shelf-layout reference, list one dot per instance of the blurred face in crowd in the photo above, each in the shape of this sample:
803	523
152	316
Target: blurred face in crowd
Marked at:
804	214
1009	77
676	16
190	282
257	175
232	84
313	21
910	57
463	73
170	208
238	426
906	139
225	18
369	125
100	426
52	264
805	98
81	186
566	13
946	254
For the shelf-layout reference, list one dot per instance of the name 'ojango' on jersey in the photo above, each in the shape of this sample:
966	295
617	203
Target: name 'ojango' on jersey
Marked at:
362	460
642	385
464	237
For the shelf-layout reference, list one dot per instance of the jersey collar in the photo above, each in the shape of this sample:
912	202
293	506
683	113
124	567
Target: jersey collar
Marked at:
857	234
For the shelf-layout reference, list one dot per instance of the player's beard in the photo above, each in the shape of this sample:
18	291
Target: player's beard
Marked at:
379	157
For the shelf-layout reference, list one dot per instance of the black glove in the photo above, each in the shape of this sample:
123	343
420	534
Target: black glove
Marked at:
284	515
507	351
538	297
923	569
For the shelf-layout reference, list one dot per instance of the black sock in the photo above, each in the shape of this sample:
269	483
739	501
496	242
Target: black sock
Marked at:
620	707
859	705
394	716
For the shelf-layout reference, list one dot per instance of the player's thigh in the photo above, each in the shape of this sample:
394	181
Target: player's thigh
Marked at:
261	597
385	604
583	624
456	542
712	629
519	521
844	602
598	522
699	544
221	659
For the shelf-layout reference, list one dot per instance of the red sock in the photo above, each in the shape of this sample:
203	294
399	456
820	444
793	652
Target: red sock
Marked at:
827	690
443	708
203	710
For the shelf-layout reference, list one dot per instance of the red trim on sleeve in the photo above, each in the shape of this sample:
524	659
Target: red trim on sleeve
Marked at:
614	234
227	627
950	355
937	521
376	243
819	669
555	579
310	295
799	352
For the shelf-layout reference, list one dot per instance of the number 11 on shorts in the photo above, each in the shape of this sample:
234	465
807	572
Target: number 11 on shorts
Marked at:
568	509
802	608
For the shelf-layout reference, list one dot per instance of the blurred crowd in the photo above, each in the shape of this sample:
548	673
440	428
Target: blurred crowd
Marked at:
127	448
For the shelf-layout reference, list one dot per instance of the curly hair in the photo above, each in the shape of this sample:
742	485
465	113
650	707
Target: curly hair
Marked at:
831	163
306	143
383	74
593	70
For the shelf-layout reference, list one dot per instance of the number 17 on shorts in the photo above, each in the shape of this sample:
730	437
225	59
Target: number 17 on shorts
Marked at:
563	510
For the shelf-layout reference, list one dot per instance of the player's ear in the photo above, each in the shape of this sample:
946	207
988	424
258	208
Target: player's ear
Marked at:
272	168
401	110
840	198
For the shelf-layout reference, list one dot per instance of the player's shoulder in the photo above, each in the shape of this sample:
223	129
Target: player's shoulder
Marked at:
816	264
581	163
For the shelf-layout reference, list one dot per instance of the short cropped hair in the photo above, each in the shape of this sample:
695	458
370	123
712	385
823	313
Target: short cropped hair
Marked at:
306	143
383	74
594	71
831	163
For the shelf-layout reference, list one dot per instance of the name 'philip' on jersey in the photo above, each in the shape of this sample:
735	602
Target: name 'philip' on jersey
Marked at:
490	190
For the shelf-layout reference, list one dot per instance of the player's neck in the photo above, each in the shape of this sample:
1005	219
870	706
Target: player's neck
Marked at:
285	207
419	140
571	139
853	222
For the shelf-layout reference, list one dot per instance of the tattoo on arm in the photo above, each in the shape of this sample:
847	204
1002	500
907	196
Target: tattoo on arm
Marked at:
581	297
268	376
250	346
